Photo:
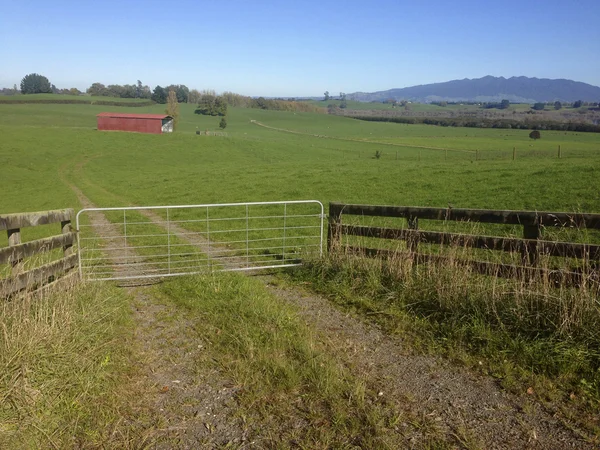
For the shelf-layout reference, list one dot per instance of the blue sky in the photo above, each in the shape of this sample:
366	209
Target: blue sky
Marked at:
297	48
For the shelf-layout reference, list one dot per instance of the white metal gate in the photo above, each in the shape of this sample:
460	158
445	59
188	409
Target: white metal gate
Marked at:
165	241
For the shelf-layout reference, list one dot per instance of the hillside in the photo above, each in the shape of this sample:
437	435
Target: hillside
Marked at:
487	89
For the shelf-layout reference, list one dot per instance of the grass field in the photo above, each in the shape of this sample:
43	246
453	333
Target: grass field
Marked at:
328	158
426	107
321	157
268	155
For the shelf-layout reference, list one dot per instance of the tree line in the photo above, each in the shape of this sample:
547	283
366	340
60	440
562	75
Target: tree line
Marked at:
216	105
35	83
486	123
209	103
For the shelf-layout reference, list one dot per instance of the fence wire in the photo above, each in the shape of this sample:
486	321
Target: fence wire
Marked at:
164	241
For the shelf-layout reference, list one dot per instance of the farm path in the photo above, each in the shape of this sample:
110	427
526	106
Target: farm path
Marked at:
392	144
193	405
180	406
469	408
464	407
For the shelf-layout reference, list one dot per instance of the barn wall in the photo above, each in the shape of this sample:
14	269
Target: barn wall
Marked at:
140	125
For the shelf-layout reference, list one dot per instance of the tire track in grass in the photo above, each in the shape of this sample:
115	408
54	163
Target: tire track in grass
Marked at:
459	404
179	406
468	409
366	141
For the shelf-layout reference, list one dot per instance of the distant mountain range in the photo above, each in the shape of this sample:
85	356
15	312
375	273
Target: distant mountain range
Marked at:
490	89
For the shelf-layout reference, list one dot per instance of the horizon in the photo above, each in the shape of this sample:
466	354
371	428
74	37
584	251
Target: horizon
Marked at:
297	50
335	95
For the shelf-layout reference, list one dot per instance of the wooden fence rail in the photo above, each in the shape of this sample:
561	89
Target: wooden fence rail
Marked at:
531	246
17	251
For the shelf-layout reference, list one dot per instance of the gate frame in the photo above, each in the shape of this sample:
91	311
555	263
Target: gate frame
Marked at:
322	216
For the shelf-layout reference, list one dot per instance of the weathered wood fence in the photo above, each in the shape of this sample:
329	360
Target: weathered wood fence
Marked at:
17	251
531	246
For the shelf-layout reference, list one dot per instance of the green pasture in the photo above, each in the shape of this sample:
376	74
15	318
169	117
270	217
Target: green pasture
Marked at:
306	156
270	155
302	156
380	106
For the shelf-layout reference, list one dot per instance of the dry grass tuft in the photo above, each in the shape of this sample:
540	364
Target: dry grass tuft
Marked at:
62	356
525	330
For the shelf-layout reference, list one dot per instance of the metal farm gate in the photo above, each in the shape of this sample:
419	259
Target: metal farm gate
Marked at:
165	241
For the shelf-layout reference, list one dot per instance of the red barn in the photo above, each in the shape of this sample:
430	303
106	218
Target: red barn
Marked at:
141	123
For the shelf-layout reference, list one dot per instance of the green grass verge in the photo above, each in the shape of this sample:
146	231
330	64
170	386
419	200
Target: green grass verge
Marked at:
64	361
525	334
293	389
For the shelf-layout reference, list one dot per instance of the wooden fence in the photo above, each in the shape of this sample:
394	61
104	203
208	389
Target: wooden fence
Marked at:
14	255
531	246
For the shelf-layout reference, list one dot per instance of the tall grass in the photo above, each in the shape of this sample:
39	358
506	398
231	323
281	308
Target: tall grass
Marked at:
521	331
63	357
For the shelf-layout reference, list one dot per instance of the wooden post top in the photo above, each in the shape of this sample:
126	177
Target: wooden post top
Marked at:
32	219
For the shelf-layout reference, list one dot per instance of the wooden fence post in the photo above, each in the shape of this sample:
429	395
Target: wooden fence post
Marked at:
66	229
559	152
40	273
529	251
14	238
413	240
333	229
514	152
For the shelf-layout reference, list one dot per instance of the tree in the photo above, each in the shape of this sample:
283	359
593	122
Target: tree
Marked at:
181	90
122	91
261	103
343	103
332	109
173	108
577	104
211	105
97	89
557	105
138	89
539	106
194	96
146	92
223	123
504	104
326	99
535	134
183	93
35	84
220	106
159	95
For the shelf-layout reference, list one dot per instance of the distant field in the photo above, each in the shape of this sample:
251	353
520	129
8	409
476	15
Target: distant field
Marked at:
32	98
351	104
423	107
328	158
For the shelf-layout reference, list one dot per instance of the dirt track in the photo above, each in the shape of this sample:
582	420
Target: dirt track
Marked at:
193	407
